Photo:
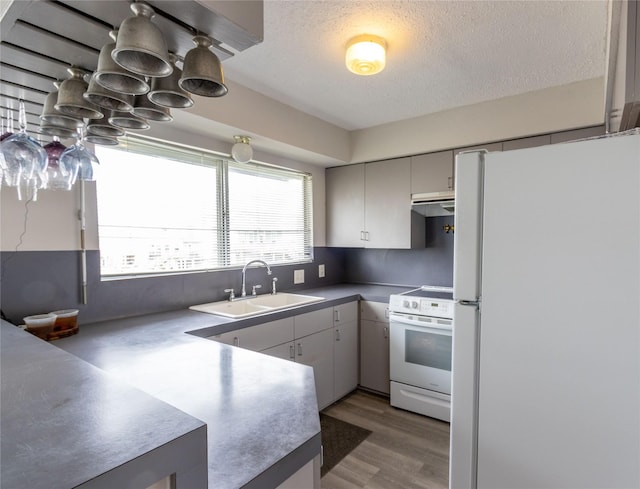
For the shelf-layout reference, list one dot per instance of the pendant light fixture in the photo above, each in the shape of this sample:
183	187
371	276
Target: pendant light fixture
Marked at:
107	99
71	101
114	77
166	91
366	54
145	108
241	151
140	46
202	72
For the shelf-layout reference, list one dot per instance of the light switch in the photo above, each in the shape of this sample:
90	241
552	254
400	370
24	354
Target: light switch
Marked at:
321	271
298	276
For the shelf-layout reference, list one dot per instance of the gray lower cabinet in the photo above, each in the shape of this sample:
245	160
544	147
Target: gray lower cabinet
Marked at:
326	339
374	346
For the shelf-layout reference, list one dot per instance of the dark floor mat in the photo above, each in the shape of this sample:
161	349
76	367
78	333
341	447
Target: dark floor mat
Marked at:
338	439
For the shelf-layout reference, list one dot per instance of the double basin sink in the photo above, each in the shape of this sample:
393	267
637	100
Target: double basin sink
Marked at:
256	305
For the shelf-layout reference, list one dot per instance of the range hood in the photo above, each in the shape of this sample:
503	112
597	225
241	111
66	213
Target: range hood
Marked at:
434	204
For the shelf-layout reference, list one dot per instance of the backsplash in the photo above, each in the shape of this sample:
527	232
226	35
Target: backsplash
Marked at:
42	281
35	282
432	265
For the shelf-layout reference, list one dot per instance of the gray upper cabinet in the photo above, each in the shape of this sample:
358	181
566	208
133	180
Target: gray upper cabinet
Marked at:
432	172
368	205
345	206
387	211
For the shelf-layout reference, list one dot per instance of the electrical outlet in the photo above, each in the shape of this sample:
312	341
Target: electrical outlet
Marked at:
321	271
298	276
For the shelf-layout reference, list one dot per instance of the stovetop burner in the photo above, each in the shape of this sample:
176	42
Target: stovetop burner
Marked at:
430	291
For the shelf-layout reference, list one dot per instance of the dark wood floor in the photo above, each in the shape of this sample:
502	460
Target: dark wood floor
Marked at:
404	450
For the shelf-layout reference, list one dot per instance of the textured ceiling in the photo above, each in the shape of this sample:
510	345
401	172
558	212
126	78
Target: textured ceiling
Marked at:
441	54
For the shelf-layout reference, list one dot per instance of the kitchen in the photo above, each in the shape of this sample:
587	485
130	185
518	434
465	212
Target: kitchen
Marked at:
51	241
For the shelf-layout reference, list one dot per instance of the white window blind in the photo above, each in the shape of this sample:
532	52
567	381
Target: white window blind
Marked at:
165	208
269	214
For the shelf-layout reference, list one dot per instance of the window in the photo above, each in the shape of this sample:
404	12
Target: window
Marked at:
164	208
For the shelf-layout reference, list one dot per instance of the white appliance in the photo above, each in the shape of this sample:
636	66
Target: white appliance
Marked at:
546	338
420	326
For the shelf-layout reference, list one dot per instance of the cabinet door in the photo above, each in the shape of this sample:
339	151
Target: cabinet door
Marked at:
286	351
260	336
345	313
345	205
374	311
312	322
316	350
432	172
387	213
374	355
345	359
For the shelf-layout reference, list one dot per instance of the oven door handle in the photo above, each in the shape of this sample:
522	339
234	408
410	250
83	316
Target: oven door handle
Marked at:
403	319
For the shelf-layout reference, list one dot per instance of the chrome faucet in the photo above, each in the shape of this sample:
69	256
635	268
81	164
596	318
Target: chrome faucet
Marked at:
244	271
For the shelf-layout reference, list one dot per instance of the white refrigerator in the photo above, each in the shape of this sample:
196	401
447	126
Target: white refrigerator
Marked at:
546	335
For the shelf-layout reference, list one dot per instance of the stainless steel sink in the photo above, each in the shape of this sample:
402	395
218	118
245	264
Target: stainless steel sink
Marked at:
254	306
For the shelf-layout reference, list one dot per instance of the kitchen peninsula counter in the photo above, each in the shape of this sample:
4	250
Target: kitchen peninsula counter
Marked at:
260	412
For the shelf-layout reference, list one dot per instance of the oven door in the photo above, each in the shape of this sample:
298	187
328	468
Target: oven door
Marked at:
420	351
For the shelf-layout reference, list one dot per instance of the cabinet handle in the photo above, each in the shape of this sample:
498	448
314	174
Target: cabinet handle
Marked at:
236	341
292	353
362	238
366	235
385	332
386	313
337	335
336	316
450	182
299	350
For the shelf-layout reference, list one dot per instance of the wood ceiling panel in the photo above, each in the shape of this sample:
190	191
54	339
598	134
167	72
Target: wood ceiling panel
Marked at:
28	60
26	78
68	23
48	44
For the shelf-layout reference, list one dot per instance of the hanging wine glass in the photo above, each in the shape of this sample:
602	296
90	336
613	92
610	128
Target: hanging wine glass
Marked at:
59	176
9	129
77	159
25	159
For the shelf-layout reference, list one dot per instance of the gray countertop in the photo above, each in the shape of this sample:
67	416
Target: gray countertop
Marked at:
260	412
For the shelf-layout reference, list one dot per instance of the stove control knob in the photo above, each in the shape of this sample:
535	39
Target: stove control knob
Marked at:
414	305
405	303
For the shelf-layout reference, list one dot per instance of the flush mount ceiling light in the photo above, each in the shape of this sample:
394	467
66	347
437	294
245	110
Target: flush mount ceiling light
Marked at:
241	151
366	54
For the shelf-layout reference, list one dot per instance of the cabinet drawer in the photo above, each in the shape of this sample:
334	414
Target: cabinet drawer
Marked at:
312	322
374	311
260	336
345	313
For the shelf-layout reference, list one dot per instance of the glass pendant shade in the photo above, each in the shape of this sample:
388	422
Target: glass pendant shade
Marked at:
202	72
107	99
167	92
112	76
71	99
146	109
140	46
241	151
